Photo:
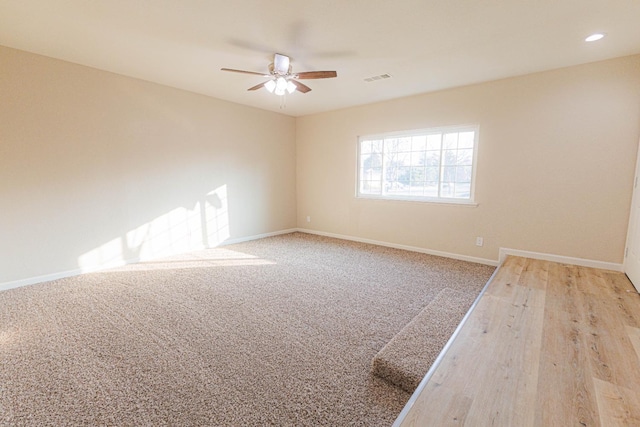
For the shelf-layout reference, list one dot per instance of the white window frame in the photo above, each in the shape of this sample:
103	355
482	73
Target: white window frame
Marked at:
385	195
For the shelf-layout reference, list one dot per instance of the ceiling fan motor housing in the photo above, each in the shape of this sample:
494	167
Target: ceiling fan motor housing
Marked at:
273	70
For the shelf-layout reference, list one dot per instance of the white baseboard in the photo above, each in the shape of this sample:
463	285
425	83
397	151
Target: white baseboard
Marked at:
503	254
257	236
78	271
404	247
561	259
38	279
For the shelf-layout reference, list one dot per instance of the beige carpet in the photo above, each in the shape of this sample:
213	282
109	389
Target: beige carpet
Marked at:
406	359
279	331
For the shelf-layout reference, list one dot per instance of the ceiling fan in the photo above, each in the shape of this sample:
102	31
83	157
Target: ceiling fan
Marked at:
281	77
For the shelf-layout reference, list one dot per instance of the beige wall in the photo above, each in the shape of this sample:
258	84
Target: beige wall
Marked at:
97	168
554	173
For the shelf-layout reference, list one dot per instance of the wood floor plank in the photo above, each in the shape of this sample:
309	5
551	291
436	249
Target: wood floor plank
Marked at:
626	296
547	344
535	274
505	386
612	356
471	340
454	408
618	406
508	274
634	337
566	395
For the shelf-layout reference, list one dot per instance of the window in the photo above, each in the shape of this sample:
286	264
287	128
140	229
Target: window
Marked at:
425	165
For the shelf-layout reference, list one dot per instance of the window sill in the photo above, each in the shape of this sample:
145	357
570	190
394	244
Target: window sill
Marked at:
452	202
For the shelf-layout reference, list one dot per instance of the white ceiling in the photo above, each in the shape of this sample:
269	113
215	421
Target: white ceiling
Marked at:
426	45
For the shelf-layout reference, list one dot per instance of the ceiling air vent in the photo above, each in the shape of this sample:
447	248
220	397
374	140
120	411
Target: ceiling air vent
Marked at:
380	77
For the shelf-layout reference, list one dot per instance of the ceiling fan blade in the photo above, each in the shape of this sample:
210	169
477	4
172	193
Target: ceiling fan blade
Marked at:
300	87
280	63
245	72
316	75
256	87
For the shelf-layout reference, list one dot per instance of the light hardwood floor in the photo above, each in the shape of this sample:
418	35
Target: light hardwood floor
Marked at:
547	345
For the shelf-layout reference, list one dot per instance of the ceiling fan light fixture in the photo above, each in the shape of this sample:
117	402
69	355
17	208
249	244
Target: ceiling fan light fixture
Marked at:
281	86
281	83
291	87
270	85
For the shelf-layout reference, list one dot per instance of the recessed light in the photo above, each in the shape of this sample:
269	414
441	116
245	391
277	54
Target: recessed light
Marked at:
594	37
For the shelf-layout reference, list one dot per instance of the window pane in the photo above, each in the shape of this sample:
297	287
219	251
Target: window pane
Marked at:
395	188
417	190
376	146
370	187
450	141
417	174
431	189
462	191
419	143
371	161
404	175
450	157
466	139
449	174
447	189
391	174
465	157
404	144
432	174
463	174
373	174
364	172
434	142
418	158
390	145
433	158
404	159
365	147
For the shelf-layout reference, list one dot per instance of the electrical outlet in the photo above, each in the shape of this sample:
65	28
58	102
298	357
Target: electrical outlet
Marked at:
479	241
308	218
